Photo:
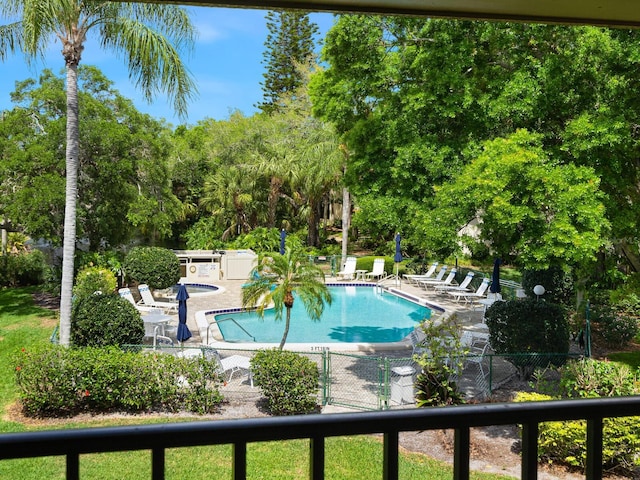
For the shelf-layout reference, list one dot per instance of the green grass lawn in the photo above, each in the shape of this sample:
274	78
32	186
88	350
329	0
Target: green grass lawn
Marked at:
22	325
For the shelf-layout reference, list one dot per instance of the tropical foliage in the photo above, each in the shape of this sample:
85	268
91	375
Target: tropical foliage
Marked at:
278	279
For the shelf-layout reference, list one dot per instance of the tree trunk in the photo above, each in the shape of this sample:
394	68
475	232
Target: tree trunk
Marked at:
346	222
275	185
69	241
286	328
312	224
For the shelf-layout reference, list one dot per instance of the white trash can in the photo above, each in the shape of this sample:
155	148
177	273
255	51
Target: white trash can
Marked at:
402	384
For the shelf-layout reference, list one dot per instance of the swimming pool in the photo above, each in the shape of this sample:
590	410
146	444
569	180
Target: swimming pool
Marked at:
195	289
356	315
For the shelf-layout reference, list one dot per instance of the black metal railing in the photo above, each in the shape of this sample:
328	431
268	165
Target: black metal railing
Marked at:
316	428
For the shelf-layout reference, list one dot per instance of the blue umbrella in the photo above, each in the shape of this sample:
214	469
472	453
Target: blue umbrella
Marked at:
398	257
283	236
183	331
495	278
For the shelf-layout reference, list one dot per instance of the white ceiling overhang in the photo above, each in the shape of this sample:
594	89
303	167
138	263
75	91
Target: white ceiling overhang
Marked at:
616	13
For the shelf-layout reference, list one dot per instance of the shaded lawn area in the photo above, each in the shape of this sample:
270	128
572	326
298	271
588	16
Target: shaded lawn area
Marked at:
24	324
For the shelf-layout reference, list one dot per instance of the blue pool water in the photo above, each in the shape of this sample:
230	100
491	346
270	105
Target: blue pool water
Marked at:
356	314
196	288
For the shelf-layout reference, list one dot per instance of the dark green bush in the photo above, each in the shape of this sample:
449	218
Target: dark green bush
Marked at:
288	381
105	319
528	326
55	381
157	267
93	279
22	269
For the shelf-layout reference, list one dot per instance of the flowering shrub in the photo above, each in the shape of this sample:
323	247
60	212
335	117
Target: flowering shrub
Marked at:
59	381
289	381
93	279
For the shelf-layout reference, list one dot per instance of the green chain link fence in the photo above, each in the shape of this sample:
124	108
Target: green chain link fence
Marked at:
372	382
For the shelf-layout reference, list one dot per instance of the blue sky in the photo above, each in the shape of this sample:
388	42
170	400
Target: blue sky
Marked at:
226	63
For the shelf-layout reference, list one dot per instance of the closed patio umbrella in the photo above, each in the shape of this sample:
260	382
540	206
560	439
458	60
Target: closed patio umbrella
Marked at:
283	236
398	256
495	277
183	331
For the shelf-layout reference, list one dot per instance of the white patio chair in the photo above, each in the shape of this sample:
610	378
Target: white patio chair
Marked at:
149	301
377	271
349	270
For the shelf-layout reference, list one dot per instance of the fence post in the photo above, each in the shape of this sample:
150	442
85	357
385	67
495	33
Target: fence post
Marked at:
326	376
587	343
383	385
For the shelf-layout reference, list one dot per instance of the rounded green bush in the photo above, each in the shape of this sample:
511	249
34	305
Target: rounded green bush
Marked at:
537	328
105	319
157	267
22	269
288	380
94	279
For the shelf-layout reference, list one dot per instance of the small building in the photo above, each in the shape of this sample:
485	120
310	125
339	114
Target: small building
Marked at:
211	265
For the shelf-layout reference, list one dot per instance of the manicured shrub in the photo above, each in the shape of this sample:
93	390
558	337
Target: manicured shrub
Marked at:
105	319
528	326
157	267
60	381
94	279
288	381
22	269
616	328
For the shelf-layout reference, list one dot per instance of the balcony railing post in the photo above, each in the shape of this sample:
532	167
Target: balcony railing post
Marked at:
316	457
239	461
529	467
73	466
157	463
462	442
594	449
390	461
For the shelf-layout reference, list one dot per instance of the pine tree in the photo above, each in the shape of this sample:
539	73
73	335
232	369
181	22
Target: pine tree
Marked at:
290	42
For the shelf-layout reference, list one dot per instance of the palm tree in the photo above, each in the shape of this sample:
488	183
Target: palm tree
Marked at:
150	36
275	280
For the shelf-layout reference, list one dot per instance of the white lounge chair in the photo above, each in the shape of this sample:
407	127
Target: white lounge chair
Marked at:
377	271
149	301
470	297
349	270
413	278
476	345
231	365
127	295
463	287
438	278
449	281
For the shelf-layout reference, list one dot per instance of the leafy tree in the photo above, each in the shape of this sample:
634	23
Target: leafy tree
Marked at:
416	98
149	35
532	211
290	41
277	278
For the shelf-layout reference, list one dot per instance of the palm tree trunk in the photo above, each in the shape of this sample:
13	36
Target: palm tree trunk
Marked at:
286	329
69	242
346	222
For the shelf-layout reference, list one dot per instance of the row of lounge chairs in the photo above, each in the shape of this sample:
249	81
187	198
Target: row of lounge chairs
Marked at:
441	285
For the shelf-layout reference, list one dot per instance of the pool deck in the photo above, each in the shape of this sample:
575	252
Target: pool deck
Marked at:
231	297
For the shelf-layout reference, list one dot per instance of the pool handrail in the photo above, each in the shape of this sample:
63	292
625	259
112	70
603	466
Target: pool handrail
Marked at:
215	322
